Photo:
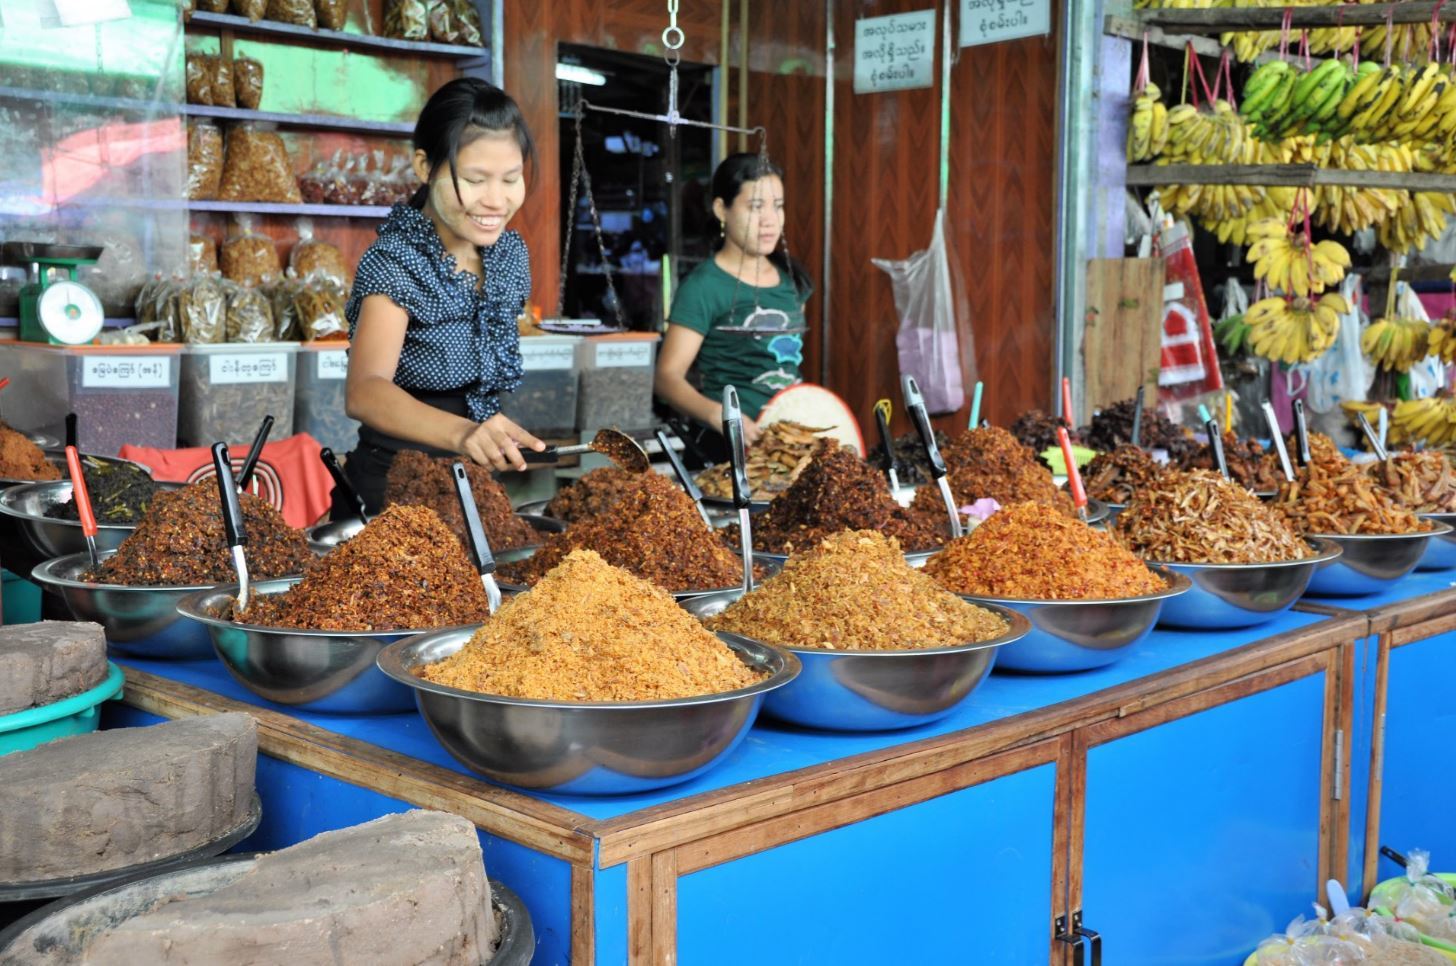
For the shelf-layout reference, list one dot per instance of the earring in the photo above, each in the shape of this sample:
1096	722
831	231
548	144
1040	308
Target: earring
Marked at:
722	229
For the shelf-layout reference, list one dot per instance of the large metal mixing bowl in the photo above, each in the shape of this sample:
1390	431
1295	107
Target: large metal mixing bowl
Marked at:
1440	552
332	672
140	621
1371	563
878	690
48	537
586	748
1079	635
1229	595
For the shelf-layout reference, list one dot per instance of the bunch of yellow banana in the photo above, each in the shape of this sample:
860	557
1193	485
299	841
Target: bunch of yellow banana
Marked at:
1290	262
1353	407
1147	128
1400	104
1432	420
1442	339
1396	344
1347	210
1294	330
1213	134
1420	218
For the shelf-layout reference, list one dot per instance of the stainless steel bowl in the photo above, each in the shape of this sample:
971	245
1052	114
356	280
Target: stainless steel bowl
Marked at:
332	672
140	621
764	566
1229	595
777	560
324	537
585	748
1371	562
19	553
1441	552
878	690
48	537
1079	635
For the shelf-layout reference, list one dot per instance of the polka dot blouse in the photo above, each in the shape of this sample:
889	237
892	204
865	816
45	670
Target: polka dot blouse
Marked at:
460	336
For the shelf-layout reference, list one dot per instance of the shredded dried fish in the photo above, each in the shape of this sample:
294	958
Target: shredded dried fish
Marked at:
1199	517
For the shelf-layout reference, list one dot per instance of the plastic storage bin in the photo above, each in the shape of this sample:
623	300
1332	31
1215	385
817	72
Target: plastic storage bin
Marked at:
318	402
226	390
77	715
120	394
616	381
546	402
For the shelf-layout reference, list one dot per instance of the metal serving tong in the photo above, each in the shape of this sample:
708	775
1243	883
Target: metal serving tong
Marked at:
479	546
915	404
232	520
250	464
742	495
331	463
683	477
614	444
1278	438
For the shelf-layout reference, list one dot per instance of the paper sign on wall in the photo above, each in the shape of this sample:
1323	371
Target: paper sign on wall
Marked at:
992	21
894	53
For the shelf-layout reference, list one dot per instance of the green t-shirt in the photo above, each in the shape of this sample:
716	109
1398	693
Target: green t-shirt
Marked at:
759	366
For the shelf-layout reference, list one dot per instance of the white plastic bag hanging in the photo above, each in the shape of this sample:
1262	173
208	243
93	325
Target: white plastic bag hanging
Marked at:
1342	374
928	299
1428	375
1235	299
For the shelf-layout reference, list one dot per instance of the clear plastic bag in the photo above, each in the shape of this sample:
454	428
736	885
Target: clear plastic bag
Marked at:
319	302
202	310
221	72
212	6
406	19
332	14
929	298
281	293
1342	373
313	257
297	12
199	79
442	22
135	88
313	185
204	160
248	82
252	9
257	168
467	23
374	186
164	310
401	183
146	301
249	314
201	254
249	257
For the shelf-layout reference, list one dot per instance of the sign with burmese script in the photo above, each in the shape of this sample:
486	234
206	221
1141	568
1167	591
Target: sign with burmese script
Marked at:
992	21
894	53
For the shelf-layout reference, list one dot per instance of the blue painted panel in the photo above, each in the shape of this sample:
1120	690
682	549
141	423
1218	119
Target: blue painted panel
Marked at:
611	915
964	878
1420	718
1202	834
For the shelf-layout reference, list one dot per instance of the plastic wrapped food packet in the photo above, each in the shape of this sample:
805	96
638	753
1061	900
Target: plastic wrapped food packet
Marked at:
332	14
319	302
165	310
249	314
467	23
313	257
249	257
402	182
204	160
146	300
248	82
221	73
212	6
201	254
442	22
199	79
374	183
135	88
406	19
257	168
202	310
297	12
281	293
252	9
313	185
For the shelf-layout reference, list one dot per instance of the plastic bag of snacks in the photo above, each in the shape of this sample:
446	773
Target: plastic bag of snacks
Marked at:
220	69
252	9
467	23
213	6
298	12
319	302
248	256
311	256
202	310
281	294
248	82
406	19
249	314
204	160
313	185
331	13
201	254
135	88
199	79
257	168
442	22
374	190
146	310
1426	901
400	183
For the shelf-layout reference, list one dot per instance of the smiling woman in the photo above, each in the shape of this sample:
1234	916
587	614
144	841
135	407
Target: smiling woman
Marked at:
433	311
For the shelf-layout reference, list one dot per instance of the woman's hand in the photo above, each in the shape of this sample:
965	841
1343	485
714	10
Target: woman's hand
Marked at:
751	432
497	443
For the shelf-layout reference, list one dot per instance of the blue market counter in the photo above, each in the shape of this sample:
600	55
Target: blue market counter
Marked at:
1183	803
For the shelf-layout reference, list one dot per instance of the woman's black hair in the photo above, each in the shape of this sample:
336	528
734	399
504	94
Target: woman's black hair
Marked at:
729	177
457	114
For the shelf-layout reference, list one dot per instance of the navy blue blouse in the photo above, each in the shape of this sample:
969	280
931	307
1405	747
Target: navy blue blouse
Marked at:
461	336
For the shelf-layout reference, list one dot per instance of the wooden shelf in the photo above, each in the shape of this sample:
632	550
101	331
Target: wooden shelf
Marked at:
330	122
87	100
1130	28
1284	176
271	208
1221	19
337	38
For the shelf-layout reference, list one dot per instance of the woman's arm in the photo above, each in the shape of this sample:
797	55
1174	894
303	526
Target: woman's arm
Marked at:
372	397
679	350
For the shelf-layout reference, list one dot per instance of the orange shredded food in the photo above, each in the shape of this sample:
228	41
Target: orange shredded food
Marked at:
1029	551
855	592
593	632
21	459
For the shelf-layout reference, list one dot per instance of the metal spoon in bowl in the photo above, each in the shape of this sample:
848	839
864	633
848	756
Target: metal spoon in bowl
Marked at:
742	495
232	520
1301	429
81	496
351	495
1371	437
683	477
915	404
1215	444
887	448
1278	439
250	464
1137	418
479	546
614	444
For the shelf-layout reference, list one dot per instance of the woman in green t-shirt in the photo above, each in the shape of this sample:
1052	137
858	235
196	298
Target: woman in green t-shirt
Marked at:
749	280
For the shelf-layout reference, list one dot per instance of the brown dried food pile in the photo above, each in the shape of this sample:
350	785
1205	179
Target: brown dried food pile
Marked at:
596	492
593	632
1112	427
839	491
990	462
1323	450
180	542
910	462
774	462
20	459
654	532
1037	431
1421	482
855	592
1200	517
415	479
1116	477
1328	497
1250	466
1029	551
401	572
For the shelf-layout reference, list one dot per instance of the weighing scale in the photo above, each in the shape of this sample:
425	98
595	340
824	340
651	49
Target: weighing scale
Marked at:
54	309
